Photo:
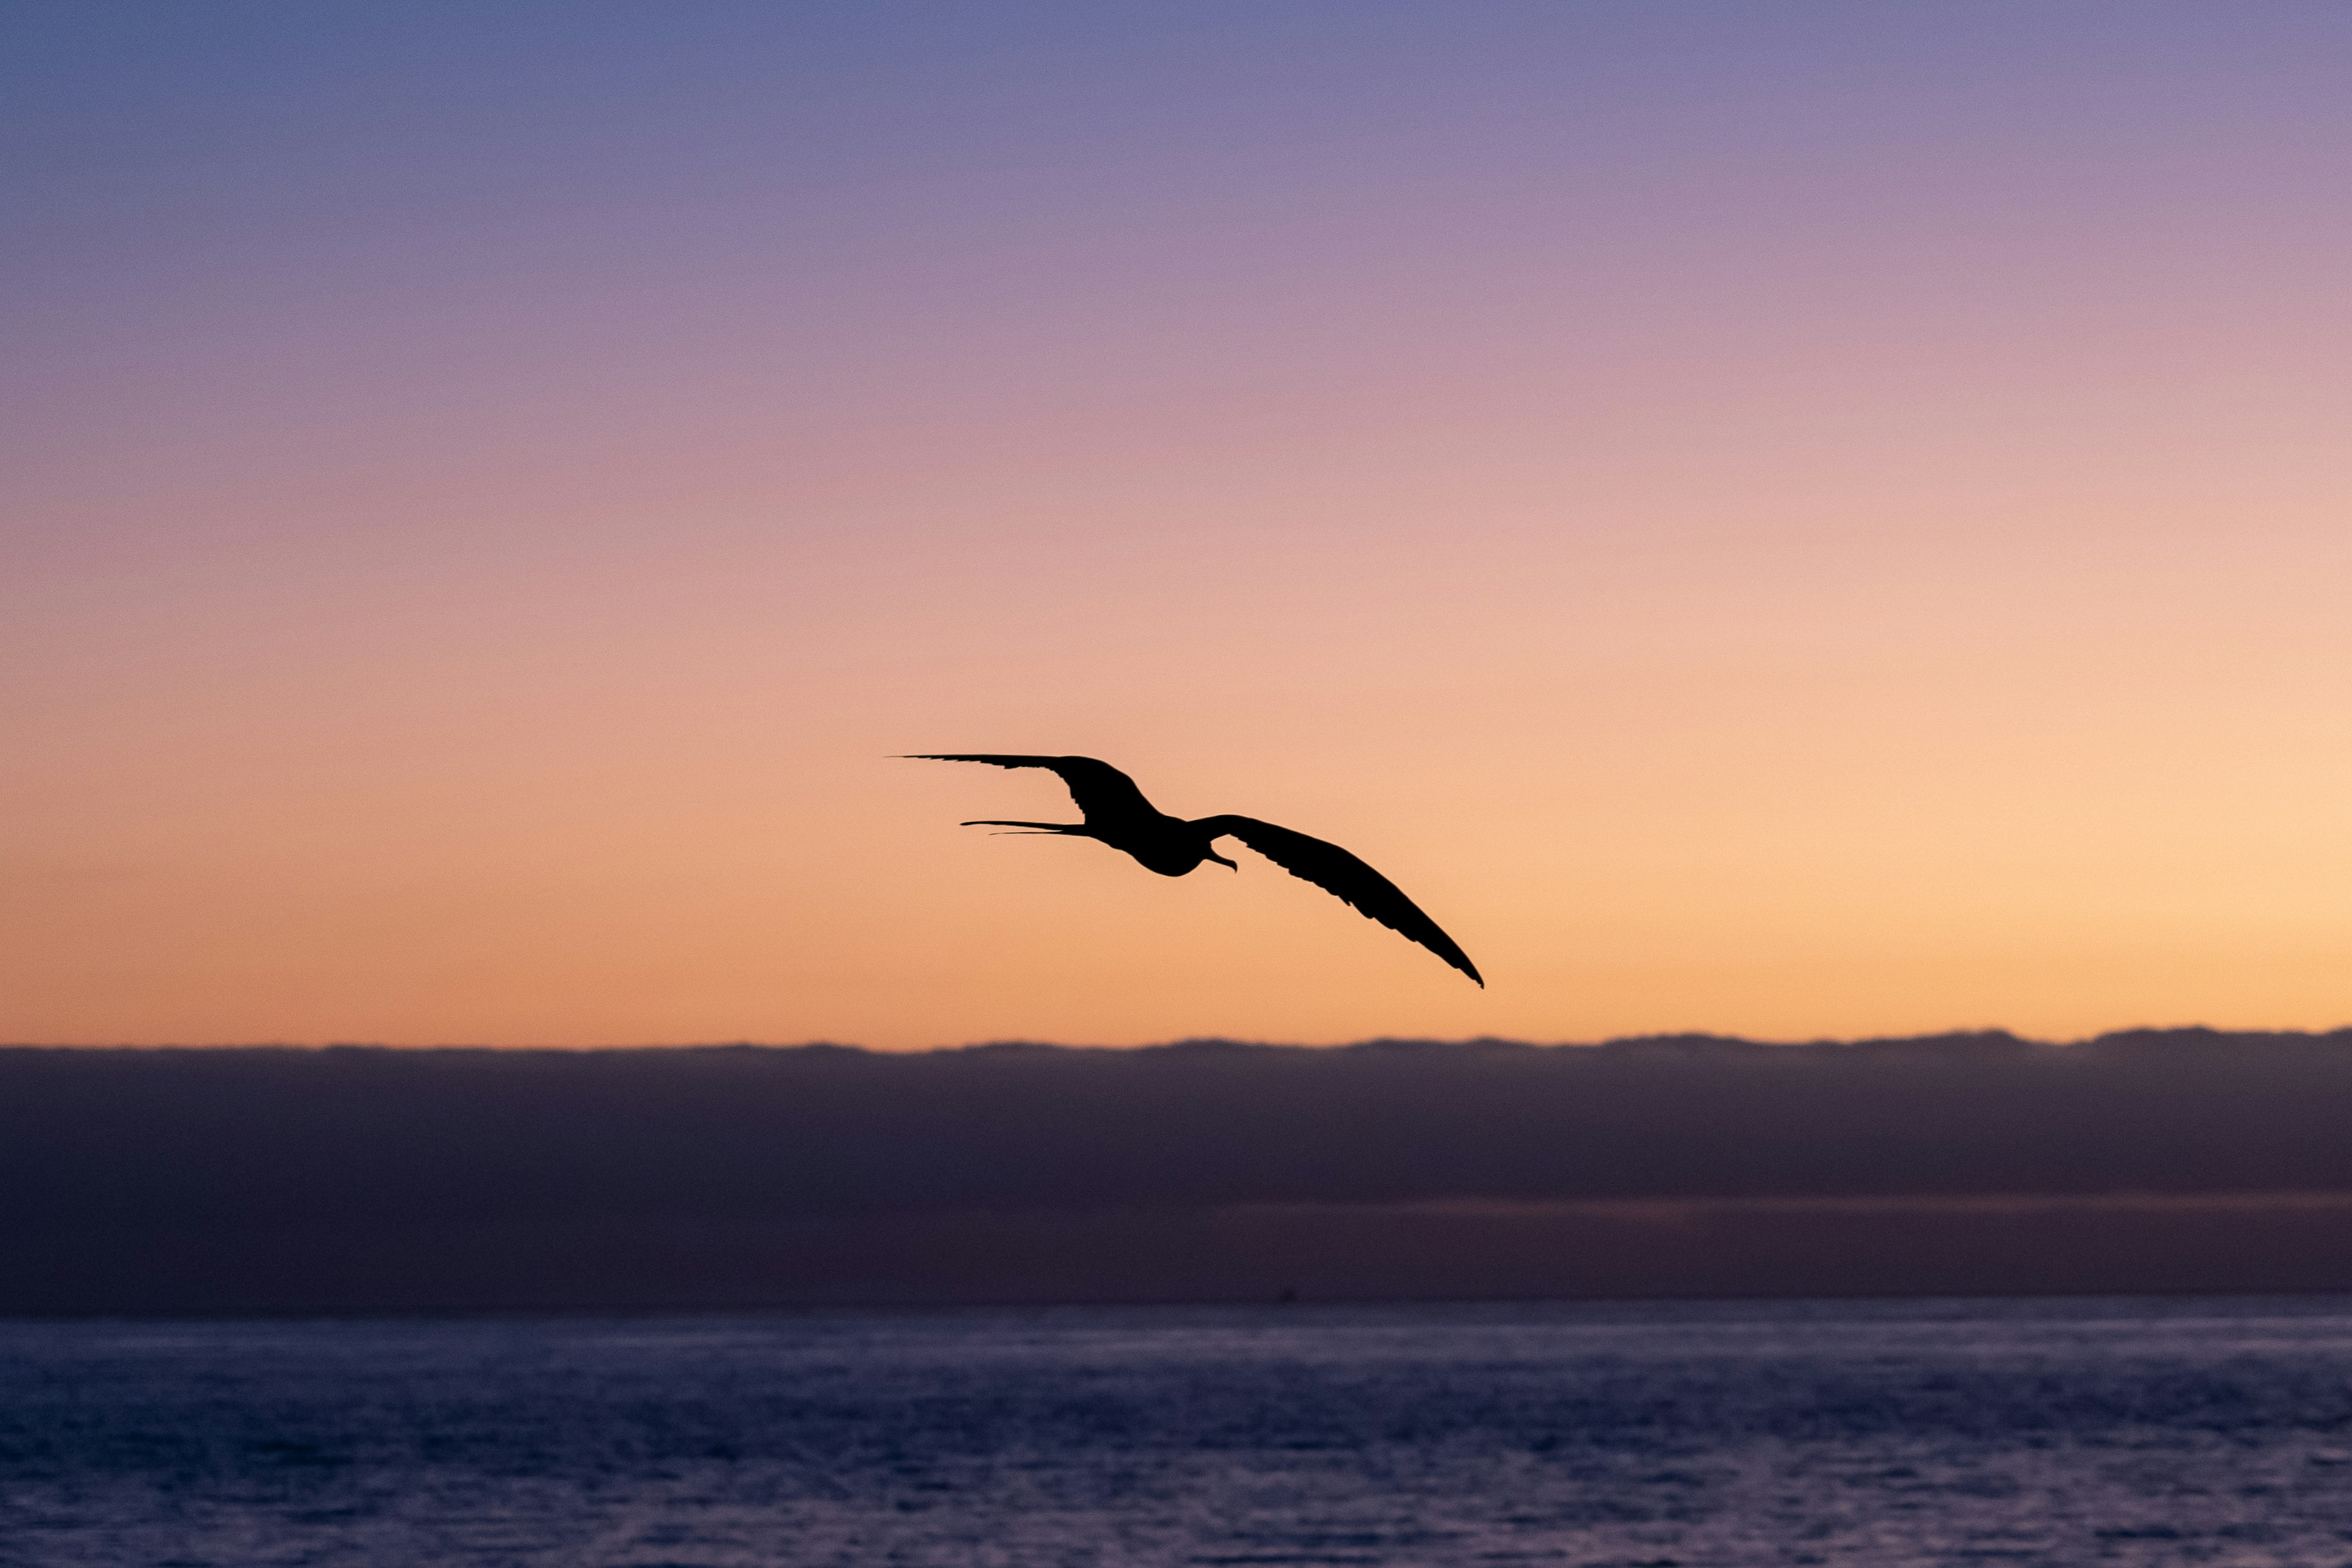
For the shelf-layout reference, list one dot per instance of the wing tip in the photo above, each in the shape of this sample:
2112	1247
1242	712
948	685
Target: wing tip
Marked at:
1460	960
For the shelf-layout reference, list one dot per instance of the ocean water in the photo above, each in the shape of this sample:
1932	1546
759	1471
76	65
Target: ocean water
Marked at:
1948	1431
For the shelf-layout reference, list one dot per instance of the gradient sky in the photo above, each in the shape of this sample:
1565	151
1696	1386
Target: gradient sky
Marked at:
1797	519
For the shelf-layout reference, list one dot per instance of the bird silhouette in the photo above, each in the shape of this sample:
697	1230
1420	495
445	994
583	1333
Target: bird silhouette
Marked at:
1118	814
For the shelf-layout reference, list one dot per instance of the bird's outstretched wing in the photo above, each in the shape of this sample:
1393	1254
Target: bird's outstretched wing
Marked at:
1344	877
1102	791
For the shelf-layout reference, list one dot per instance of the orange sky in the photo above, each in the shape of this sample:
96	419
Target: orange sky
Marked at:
1818	525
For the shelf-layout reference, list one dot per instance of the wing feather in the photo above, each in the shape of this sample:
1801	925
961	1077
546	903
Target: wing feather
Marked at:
1103	793
1346	878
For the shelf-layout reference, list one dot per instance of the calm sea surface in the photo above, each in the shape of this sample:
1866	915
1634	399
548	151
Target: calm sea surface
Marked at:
2122	1432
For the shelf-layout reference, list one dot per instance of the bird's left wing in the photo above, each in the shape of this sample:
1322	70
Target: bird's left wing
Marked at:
1099	790
1344	877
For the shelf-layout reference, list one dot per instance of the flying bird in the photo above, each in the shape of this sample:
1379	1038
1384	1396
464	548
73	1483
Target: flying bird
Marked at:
1117	814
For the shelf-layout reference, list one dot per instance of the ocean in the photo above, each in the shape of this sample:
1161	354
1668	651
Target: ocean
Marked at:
2114	1431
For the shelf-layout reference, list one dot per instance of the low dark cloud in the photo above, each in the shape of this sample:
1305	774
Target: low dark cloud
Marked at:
353	1178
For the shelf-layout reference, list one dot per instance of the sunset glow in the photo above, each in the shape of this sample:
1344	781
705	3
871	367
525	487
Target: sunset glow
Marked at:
1801	520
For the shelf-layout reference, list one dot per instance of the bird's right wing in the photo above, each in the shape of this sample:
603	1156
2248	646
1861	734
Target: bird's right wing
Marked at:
1099	789
1346	878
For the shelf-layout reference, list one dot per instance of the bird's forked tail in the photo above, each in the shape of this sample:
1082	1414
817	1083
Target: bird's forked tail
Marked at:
1077	829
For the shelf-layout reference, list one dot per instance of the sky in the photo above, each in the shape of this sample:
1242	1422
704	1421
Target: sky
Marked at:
1804	521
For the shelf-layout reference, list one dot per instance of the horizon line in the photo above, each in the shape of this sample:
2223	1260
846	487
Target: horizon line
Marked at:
1994	1035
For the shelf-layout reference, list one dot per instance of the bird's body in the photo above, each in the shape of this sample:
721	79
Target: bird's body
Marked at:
1118	814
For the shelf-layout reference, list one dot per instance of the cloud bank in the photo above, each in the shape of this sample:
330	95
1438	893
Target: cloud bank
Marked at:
364	1179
